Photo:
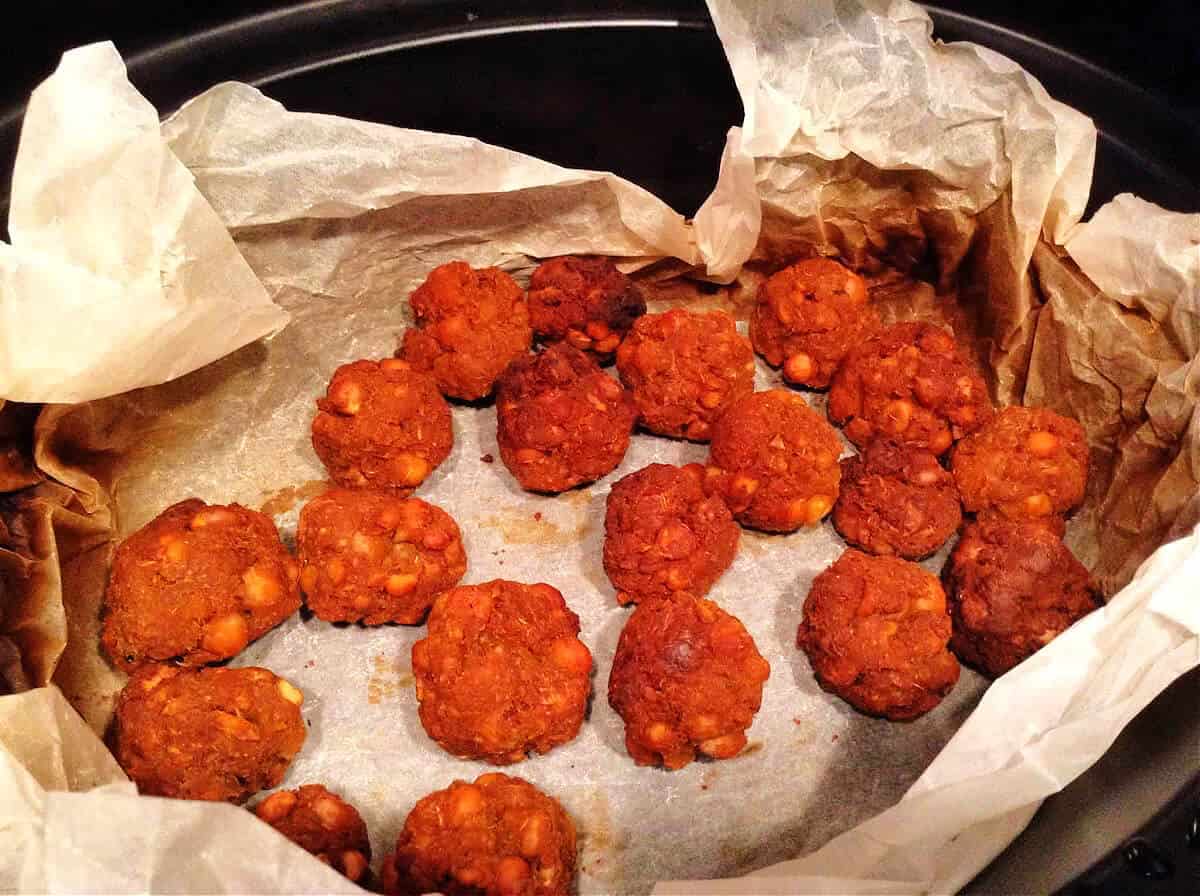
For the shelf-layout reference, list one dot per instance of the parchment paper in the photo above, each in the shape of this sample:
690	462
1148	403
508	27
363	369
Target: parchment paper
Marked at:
339	243
106	220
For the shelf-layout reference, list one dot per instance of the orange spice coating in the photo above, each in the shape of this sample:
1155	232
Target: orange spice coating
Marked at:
663	534
775	462
875	630
1025	463
685	368
560	420
207	734
1014	587
381	424
196	585
499	836
896	499
470	324
909	382
585	301
808	317
373	557
687	679
502	672
323	823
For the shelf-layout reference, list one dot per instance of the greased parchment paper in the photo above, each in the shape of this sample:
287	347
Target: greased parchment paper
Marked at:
237	430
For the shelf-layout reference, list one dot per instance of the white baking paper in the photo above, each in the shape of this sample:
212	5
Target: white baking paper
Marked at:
119	274
396	201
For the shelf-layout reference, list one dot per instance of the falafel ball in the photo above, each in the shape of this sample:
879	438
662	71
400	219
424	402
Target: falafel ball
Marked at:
1024	463
499	836
196	585
775	462
381	424
1014	587
470	324
687	678
585	301
371	556
896	499
207	734
323	823
909	382
684	369
560	420
875	630
663	533
807	318
502	672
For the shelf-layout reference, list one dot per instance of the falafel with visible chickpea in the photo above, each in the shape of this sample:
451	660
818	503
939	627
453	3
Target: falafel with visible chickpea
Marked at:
1026	463
663	533
324	824
195	585
808	317
370	556
498	836
896	499
775	462
381	424
1013	587
584	301
909	382
471	323
687	679
212	733
875	630
560	420
502	672
684	369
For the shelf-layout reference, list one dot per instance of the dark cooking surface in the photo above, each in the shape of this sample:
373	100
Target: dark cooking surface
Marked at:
652	103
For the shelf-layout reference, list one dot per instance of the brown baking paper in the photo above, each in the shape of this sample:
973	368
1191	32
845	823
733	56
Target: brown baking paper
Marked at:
340	233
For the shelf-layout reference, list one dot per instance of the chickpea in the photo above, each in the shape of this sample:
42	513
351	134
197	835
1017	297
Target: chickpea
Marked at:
1042	444
276	806
724	747
466	801
898	415
400	584
411	469
226	635
571	655
346	398
798	368
175	549
335	570
1038	505
262	588
817	507
354	864
512	872
532	835
211	516
290	692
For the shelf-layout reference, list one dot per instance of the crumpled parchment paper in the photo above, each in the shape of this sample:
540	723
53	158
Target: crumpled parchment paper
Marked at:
341	232
106	219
